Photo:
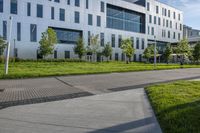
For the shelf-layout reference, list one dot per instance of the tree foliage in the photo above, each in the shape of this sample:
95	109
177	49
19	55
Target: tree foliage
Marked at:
167	53
79	48
47	42
183	48
2	45
127	48
196	52
107	51
149	52
94	46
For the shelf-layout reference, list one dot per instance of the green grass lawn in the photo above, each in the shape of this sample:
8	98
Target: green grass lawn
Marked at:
177	106
42	69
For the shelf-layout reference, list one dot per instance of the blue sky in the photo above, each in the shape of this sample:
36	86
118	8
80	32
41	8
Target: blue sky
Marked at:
191	10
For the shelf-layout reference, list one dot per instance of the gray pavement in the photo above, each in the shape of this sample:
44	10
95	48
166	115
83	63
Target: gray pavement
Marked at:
28	91
118	112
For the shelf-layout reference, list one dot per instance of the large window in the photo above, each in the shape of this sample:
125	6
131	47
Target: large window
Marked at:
13	6
1	5
67	36
39	11
62	14
102	6
123	19
33	32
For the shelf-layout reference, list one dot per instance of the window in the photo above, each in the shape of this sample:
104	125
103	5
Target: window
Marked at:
116	56
28	9
137	43
1	5
179	17
33	32
123	19
102	6
150	19
152	30
163	22
52	13
143	43
148	6
67	36
58	1
87	4
68	2
179	36
180	27
167	23
148	30
174	35
55	54
18	31
13	6
157	9
67	54
159	21
102	39
155	20
169	13
77	17
165	12
77	3
5	30
132	41
174	15
168	34
99	21
119	41
39	11
89	37
90	19
62	14
113	40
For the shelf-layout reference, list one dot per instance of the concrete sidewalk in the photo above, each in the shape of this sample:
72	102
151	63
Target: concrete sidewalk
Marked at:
118	112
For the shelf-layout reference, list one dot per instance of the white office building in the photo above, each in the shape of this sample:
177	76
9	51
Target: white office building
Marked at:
144	21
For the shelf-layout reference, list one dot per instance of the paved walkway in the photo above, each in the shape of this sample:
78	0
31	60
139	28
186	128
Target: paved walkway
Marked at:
27	91
118	112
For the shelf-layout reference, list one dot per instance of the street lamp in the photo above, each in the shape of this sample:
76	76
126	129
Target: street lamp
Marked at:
155	53
8	47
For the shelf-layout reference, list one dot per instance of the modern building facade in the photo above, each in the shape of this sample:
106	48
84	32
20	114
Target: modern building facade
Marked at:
193	35
144	21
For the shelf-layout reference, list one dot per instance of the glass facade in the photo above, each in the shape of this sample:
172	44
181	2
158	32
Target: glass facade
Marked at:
1	5
67	36
13	6
123	19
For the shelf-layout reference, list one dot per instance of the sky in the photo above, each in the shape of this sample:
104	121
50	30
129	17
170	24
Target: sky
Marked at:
191	10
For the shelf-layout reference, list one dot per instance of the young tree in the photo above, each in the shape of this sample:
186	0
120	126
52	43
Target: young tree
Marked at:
196	52
127	48
167	53
79	48
94	46
107	51
183	49
47	42
2	45
148	52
